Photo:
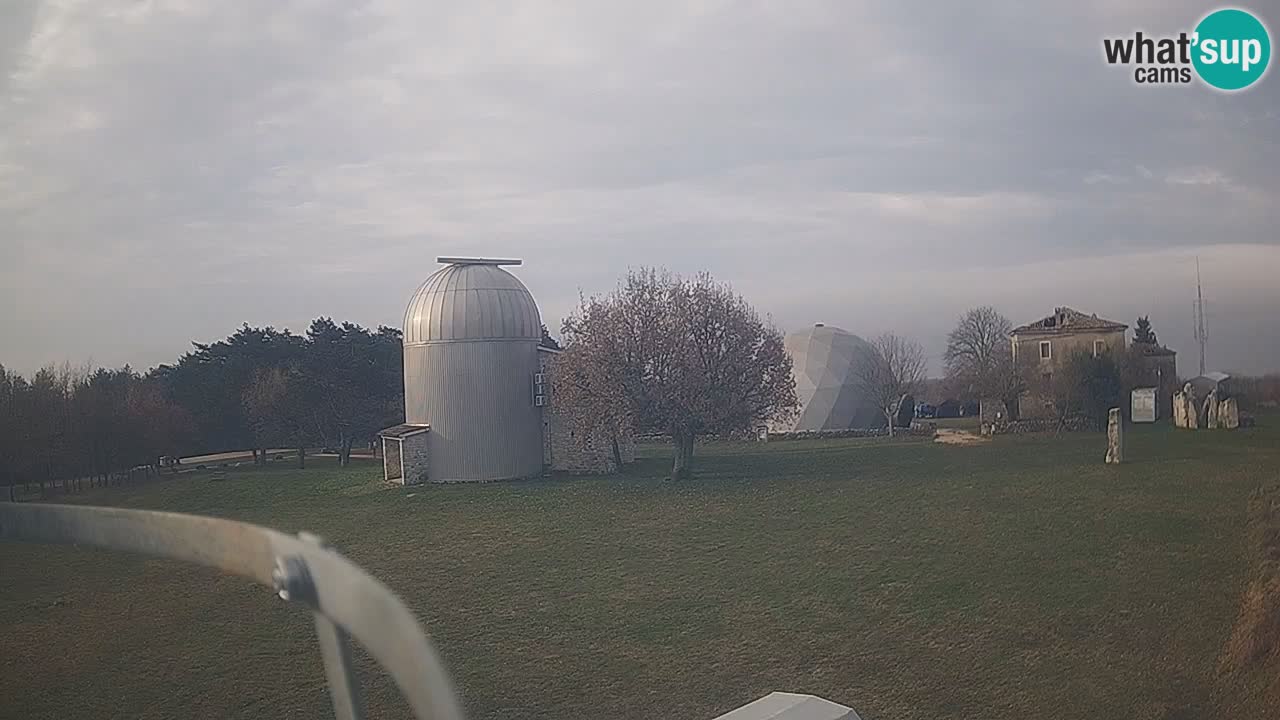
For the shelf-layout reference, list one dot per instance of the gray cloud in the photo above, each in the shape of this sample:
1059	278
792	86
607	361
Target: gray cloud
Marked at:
171	169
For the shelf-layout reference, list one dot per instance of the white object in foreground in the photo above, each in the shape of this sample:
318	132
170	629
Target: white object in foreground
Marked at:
790	706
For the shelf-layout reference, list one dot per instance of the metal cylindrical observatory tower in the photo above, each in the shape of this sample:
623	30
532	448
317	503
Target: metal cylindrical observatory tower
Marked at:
471	337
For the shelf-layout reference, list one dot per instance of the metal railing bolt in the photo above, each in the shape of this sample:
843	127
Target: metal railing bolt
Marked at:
292	580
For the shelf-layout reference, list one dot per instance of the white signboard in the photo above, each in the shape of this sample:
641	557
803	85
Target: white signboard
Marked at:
1144	405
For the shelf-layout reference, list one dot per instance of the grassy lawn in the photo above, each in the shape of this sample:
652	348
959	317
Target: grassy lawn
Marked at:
972	422
1013	579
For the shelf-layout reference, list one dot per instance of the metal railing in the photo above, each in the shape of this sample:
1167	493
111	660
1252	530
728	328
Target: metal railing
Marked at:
346	601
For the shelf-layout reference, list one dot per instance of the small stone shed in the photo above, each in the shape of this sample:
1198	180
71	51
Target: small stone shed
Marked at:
404	453
565	449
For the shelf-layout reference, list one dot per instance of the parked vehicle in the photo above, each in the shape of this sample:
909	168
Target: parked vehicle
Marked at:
947	409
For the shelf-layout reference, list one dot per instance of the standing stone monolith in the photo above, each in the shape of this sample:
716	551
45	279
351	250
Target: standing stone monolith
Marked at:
1115	437
1179	410
1229	414
1211	410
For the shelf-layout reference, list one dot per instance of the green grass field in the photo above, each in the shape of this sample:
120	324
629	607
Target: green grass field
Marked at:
1012	579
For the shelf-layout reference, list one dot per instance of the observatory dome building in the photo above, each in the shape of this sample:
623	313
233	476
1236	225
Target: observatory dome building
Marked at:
471	334
477	403
827	363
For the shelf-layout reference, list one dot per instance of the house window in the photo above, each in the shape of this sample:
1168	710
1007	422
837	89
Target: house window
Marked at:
1046	352
1099	346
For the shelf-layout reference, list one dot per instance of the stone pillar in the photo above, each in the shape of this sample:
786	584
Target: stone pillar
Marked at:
1179	410
1229	414
1115	437
1211	410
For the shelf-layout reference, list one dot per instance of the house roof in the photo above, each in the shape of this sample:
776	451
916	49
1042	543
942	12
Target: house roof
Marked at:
403	430
1214	376
1152	350
1065	320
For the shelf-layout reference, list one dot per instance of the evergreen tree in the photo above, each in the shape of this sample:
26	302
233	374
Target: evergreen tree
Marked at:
1143	333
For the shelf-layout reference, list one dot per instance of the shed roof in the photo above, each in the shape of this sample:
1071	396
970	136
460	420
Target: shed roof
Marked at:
1214	376
403	430
1065	320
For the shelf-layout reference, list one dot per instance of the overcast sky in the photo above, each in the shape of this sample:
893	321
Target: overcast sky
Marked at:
170	170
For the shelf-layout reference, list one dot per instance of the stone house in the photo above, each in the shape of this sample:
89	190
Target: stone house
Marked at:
404	453
565	448
1044	346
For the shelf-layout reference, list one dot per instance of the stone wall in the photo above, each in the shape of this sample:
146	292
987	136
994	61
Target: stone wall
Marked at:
565	449
414	452
1042	425
577	452
568	450
917	429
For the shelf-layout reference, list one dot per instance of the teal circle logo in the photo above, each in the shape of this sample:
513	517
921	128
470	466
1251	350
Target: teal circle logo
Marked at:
1231	49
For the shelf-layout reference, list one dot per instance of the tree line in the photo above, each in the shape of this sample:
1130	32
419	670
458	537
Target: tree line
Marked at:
76	425
332	387
259	388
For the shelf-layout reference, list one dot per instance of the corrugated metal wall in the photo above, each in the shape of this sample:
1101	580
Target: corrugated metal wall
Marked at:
478	398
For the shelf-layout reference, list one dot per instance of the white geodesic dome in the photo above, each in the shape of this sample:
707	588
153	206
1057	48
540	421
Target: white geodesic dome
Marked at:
827	363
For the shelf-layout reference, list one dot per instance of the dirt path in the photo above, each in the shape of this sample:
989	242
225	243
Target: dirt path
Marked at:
952	436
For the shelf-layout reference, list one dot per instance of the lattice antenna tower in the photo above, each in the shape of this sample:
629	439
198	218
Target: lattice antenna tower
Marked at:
1202	335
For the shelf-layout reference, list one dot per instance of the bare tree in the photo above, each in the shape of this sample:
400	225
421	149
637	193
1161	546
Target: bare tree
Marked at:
1057	392
594	406
897	369
686	357
979	356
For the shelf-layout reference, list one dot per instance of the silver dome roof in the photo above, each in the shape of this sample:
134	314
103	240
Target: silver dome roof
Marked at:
471	299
